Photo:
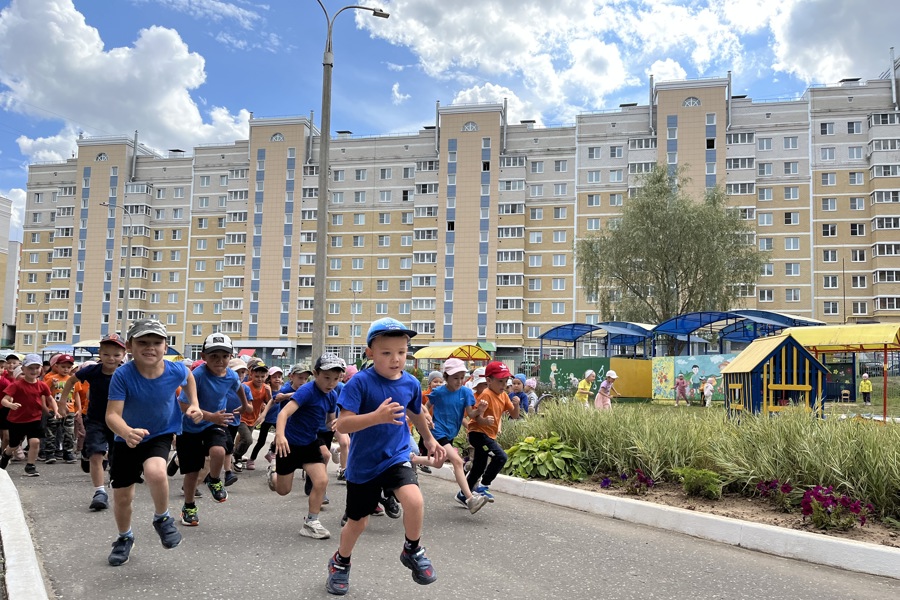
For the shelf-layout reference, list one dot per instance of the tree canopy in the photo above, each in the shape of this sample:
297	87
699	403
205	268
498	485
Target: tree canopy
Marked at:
669	254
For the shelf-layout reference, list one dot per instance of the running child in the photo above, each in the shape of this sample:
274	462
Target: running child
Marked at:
208	437
98	437
374	406
59	435
261	394
269	414
297	441
484	428
450	402
27	399
234	405
144	414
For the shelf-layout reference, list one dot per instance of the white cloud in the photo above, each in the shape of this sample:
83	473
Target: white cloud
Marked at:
824	41
214	10
395	67
53	64
396	97
666	70
491	93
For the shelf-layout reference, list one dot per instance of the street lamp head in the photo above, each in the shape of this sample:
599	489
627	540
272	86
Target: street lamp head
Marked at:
380	13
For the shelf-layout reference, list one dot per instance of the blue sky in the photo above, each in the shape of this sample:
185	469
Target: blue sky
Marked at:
189	72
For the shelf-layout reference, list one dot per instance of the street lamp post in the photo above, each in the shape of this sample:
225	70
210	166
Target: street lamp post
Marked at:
37	324
318	338
124	321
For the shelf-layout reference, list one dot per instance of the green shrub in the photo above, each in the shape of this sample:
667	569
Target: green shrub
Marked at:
700	482
544	458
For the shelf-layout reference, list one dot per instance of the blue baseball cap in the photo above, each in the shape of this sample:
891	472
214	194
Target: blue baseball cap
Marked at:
386	325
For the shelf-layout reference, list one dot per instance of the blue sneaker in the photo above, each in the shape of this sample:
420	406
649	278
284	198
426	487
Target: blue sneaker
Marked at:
338	582
422	569
460	498
121	549
484	491
167	532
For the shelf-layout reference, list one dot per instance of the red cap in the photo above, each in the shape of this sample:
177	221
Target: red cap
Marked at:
197	363
113	338
62	358
496	369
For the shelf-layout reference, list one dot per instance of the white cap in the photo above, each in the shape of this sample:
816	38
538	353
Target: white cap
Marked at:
218	341
612	374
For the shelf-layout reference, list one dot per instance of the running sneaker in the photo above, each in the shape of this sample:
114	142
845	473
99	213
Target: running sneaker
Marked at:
217	489
314	529
307	486
189	516
325	501
238	465
338	582
250	465
230	478
197	492
85	463
31	471
4	460
342	476
20	454
484	491
391	506
270	476
172	467
425	468
336	454
378	512
100	501
69	458
270	456
344	520
422	569
168	533
475	502
42	457
121	548
51	459
461	498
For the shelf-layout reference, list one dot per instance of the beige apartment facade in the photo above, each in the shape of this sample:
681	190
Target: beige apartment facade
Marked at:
464	230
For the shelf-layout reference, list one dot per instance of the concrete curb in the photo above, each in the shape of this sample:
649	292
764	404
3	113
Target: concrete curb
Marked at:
24	580
788	543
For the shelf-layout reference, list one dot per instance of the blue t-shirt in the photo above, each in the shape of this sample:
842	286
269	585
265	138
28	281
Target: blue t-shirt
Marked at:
523	401
149	403
449	408
232	403
99	393
212	392
375	449
303	426
272	415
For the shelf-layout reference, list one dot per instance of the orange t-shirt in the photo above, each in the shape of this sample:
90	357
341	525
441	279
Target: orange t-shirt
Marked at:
56	383
259	398
497	404
82	388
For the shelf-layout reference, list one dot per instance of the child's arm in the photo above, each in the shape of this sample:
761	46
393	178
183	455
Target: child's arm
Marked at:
190	391
118	425
282	448
388	412
329	420
52	406
474	412
10	403
514	413
68	390
421	423
268	405
245	404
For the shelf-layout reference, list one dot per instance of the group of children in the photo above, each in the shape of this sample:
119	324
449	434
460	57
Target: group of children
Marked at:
603	399
139	408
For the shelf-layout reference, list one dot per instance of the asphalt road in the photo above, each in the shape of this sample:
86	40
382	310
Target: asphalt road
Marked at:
249	548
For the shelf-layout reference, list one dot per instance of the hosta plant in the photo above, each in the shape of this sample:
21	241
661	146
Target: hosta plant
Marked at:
545	458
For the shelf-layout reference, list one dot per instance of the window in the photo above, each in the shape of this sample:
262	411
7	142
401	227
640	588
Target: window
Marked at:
560	189
594	152
855	152
559	260
829	204
615	199
859	282
558	284
791	142
856	178
860	308
764	144
830	282
559	212
764	219
792	295
857	229
791	243
558	308
791	192
766	295
857	256
829	178
854	127
560	166
829	256
764	169
763	194
765	243
535	260
618	151
791	218
830	308
768	270
791	168
826	128
827	153
616	176
593	177
792	269
559	237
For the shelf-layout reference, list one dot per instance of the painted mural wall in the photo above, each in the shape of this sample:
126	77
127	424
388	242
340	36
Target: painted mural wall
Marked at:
696	370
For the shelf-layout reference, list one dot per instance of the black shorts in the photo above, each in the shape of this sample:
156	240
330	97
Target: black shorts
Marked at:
4	412
126	465
445	441
98	437
362	498
193	448
19	432
326	437
299	456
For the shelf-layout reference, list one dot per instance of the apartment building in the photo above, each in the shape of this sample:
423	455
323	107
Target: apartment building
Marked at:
465	229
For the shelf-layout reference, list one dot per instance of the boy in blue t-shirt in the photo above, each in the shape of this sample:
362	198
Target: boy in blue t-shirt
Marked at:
145	414
297	441
208	437
373	410
450	402
98	437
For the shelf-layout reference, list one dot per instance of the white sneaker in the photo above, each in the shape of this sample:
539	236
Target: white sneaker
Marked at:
314	529
336	454
270	476
475	502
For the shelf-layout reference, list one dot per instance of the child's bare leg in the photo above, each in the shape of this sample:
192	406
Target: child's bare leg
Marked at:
350	534
158	483
97	476
318	474
458	472
189	486
283	483
216	461
343	441
34	445
410	497
123	499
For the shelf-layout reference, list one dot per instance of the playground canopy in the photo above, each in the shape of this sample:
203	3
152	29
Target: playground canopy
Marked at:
734	325
614	333
464	352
